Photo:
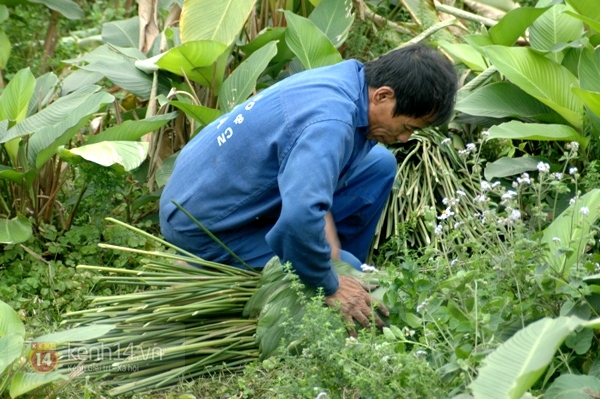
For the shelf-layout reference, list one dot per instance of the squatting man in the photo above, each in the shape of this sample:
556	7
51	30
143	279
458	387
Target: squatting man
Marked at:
296	171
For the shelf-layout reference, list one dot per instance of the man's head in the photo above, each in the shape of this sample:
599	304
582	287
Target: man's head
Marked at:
409	89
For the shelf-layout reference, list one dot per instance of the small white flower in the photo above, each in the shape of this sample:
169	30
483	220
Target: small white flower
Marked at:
495	184
485	133
573	145
461	193
558	176
421	307
584	210
572	171
446	214
438	229
420	353
524	179
471	147
515	214
446	140
367	268
450	201
481	198
543	167
509	194
458	224
556	240
573	200
408	332
485	186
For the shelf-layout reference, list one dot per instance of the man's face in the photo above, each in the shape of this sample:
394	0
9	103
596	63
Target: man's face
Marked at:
386	128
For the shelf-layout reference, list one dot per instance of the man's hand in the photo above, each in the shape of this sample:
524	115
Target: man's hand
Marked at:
355	303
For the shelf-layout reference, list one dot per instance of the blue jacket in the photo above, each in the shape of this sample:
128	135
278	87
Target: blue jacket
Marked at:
281	155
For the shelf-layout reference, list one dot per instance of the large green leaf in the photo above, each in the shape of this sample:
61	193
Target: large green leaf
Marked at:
15	97
590	99
309	43
165	170
334	18
44	143
15	176
242	82
515	365
542	78
5	48
11	347
132	130
128	154
45	90
125	33
15	231
21	383
52	115
4	14
571	386
571	228
10	322
589	69
589	9
554	27
536	131
218	20
200	113
284	54
465	54
502	99
513	25
68	8
506	166
195	60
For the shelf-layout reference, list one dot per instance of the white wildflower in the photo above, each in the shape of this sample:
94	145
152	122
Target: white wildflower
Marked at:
509	194
421	307
446	214
573	200
515	214
471	147
543	167
420	353
451	201
524	179
458	224
495	184
481	198
438	229
446	140
572	171
558	176
573	145
461	193
584	210
485	186
367	268
408	332
485	133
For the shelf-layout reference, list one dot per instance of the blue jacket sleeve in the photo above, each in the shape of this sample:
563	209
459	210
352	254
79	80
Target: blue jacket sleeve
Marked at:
307	180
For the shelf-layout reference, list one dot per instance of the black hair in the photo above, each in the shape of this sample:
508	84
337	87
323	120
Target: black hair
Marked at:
424	81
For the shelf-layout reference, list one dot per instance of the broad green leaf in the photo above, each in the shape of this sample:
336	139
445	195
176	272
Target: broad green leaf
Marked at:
506	166
16	176
128	154
465	54
284	54
46	87
125	33
195	60
590	98
76	334
503	99
513	25
516	365
5	49
10	322
242	82
21	383
220	21
200	113
132	130
52	115
15	97
536	131
587	8
554	27
334	18
44	143
67	8
540	77
589	69
310	45
571	228
15	231
595	25
571	386
78	79
11	347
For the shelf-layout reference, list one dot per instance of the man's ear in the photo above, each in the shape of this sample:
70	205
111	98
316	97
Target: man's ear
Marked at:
383	93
